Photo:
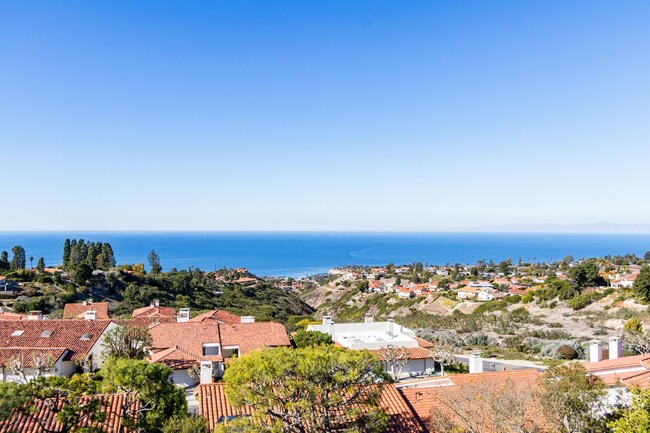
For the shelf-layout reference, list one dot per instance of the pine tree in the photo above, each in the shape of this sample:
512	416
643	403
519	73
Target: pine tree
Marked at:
154	262
40	265
642	283
4	260
107	257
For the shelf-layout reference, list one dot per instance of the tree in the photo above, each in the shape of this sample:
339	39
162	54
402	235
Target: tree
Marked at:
18	259
637	341
31	262
128	342
304	339
72	402
637	418
185	424
66	253
4	260
442	353
641	285
82	273
481	405
571	400
154	262
147	384
106	259
40	265
395	358
504	267
40	364
320	389
646	256
586	274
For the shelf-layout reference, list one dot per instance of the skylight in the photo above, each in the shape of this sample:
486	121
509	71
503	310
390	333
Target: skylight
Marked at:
46	333
86	337
17	333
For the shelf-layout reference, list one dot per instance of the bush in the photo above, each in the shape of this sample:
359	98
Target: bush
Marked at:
633	325
566	352
477	340
185	424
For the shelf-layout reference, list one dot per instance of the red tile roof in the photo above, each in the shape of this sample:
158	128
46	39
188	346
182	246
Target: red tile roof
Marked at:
26	422
12	316
413	352
219	316
78	311
623	362
177	358
214	406
64	334
190	337
6	353
425	395
153	311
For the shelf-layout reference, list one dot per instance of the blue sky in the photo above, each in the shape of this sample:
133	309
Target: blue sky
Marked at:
331	115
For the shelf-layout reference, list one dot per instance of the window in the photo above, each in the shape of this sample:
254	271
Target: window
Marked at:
210	349
17	333
86	337
46	333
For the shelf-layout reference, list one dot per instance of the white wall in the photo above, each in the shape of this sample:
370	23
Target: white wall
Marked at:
182	378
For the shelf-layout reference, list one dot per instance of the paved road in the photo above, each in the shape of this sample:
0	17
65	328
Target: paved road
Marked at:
500	365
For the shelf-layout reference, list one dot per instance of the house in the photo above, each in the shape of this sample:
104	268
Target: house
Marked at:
87	310
216	409
431	398
467	293
154	310
220	316
618	370
501	281
44	419
489	295
404	293
377	336
481	285
623	281
210	344
67	343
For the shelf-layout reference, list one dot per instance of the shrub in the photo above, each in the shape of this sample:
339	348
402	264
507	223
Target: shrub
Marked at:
633	325
566	352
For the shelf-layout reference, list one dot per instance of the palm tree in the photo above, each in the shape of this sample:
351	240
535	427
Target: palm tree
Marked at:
31	262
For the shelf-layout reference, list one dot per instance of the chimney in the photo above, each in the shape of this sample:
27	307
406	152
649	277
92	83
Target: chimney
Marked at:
247	319
327	320
369	318
2	309
475	363
206	372
84	303
90	301
183	315
391	327
595	350
156	303
35	315
615	347
90	315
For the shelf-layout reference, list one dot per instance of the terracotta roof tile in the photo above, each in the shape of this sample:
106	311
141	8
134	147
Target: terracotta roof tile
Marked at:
78	311
153	311
219	316
6	353
623	362
23	422
64	334
214	406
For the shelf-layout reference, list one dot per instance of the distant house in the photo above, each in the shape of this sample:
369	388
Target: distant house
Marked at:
467	293
404	293
219	316
489	295
68	343
480	284
624	281
87	310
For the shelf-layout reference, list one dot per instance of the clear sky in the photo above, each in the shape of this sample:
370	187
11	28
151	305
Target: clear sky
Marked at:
323	115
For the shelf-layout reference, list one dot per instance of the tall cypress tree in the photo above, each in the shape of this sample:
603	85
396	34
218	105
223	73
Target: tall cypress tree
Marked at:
18	260
66	253
108	258
40	265
4	260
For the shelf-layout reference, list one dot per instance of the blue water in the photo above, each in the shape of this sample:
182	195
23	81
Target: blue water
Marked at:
299	254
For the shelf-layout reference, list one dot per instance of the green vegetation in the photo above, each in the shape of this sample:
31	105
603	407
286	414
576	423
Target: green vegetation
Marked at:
303	339
313	395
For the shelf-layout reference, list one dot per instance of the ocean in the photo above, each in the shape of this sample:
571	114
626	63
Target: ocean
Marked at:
298	254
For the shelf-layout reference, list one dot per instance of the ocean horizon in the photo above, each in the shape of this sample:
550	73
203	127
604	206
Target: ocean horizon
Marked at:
298	254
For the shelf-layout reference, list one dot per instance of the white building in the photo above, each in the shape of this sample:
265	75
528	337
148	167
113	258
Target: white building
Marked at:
375	336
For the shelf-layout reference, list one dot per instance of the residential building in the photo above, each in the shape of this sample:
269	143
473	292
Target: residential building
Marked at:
377	336
467	293
68	343
215	407
220	316
43	419
87	310
210	344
